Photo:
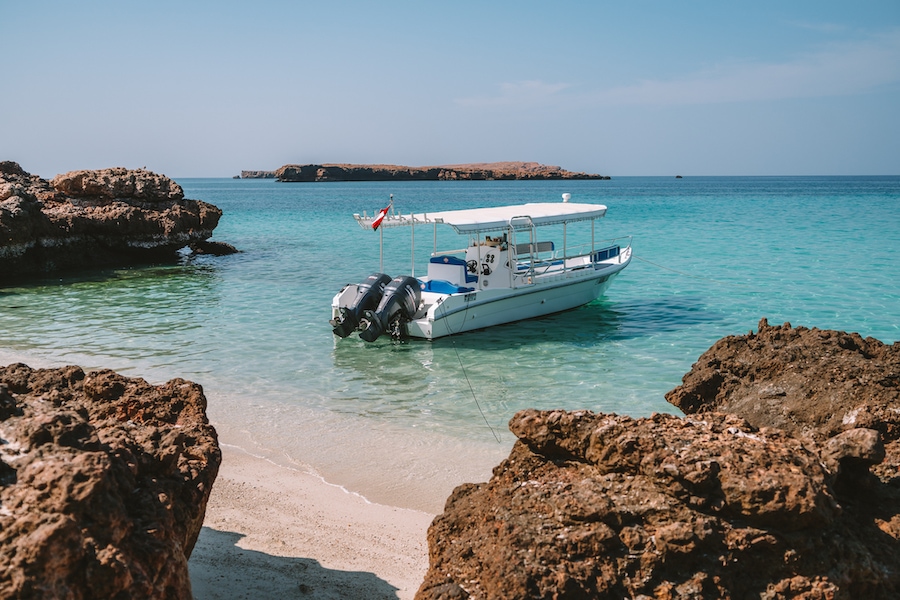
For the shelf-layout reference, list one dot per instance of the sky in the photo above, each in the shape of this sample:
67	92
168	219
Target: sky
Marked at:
207	89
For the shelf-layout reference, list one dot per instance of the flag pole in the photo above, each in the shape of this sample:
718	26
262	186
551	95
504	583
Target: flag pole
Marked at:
381	234
412	229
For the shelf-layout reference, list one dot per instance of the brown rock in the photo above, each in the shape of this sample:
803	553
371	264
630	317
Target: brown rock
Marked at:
808	382
805	381
591	505
130	186
88	219
103	484
791	491
474	171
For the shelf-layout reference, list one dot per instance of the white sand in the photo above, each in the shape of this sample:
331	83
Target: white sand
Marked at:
273	532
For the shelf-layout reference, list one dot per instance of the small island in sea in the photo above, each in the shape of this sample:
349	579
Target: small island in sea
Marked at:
471	172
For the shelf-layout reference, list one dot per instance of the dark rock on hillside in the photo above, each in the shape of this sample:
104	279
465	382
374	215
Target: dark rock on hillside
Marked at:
710	505
475	171
85	219
104	482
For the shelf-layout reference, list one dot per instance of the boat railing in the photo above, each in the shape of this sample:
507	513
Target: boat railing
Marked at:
573	258
599	251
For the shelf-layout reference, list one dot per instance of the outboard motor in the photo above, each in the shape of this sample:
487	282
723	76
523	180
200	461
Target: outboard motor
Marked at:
398	306
368	295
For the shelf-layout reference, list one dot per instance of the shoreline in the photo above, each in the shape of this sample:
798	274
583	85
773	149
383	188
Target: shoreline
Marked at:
272	531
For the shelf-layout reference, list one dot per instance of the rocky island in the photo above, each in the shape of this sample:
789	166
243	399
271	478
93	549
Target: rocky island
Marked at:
107	217
780	482
473	172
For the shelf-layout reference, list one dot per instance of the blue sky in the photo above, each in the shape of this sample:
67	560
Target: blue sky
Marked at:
207	89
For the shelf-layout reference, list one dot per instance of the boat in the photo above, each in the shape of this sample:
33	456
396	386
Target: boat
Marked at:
507	271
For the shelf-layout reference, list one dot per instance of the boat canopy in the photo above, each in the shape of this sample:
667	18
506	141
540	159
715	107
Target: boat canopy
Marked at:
495	218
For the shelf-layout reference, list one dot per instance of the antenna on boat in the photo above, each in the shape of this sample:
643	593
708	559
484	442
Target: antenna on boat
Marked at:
567	196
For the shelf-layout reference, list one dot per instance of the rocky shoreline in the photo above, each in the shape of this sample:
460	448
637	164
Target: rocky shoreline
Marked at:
467	172
101	218
780	482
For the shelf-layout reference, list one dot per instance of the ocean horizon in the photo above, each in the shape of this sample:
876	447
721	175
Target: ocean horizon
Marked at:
402	423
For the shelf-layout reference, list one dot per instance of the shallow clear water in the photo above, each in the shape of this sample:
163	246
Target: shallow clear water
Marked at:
404	422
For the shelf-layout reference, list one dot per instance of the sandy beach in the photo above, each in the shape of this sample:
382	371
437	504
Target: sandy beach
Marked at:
274	532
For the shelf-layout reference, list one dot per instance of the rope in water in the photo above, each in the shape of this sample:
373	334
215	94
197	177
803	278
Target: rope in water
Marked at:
466	375
472	389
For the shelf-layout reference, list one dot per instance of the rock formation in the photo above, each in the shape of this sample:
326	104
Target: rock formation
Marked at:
104	482
808	382
257	175
789	491
94	218
475	171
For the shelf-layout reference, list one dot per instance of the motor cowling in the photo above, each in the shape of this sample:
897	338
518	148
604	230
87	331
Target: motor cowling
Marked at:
368	295
397	307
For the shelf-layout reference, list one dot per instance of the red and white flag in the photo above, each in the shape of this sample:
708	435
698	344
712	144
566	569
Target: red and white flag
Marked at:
381	215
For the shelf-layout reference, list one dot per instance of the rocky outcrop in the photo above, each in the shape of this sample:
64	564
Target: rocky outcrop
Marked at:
475	171
87	219
808	382
710	505
257	175
104	482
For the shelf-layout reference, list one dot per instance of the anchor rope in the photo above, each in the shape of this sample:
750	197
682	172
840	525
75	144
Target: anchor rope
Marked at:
466	375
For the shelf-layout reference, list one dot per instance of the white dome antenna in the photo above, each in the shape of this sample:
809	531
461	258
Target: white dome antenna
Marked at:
567	196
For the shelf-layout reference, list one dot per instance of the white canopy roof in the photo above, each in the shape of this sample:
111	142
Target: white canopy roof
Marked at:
496	218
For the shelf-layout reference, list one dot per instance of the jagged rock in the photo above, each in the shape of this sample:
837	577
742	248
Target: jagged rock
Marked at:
104	482
710	505
591	505
130	186
475	171
88	219
808	382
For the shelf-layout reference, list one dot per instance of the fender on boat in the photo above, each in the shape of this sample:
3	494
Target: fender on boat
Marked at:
398	306
368	295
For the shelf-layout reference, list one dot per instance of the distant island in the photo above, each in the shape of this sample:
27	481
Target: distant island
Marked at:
256	175
471	172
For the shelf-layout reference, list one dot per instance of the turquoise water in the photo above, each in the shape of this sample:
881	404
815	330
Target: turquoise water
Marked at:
404	422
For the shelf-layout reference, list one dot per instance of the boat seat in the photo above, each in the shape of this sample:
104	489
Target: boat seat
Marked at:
450	268
606	253
440	286
526	248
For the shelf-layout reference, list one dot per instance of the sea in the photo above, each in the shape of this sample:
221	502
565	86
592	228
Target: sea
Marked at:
403	423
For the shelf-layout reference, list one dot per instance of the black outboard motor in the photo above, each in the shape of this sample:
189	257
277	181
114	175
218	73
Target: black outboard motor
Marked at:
368	295
397	307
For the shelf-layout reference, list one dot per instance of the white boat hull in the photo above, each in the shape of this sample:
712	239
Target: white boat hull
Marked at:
459	313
